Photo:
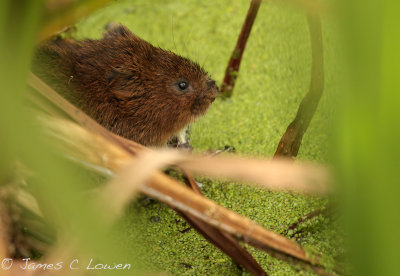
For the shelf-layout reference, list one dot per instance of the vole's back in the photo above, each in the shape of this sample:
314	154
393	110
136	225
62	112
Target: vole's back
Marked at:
78	72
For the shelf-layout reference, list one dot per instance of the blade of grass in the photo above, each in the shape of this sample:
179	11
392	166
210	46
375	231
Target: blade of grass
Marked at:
20	138
367	135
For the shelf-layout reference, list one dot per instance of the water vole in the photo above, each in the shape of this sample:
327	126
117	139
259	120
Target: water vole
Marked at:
132	88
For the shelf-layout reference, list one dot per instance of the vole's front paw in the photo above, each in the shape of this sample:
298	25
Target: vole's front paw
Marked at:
226	148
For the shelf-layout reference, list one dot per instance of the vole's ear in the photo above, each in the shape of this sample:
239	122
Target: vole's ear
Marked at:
117	80
111	76
118	30
116	74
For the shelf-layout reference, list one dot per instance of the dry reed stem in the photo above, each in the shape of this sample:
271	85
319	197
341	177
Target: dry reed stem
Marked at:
172	193
278	174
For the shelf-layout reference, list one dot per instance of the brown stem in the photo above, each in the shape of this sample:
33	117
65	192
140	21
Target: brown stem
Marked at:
290	143
326	211
225	242
232	69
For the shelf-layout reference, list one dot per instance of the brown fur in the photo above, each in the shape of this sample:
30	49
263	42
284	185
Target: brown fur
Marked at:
127	85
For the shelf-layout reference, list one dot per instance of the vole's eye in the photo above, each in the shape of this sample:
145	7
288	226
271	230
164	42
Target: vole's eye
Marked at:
183	85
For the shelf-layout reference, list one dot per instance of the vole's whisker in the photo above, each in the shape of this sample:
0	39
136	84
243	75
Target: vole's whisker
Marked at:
172	31
205	59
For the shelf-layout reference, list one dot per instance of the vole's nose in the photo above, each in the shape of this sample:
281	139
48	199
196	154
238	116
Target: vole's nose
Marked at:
210	83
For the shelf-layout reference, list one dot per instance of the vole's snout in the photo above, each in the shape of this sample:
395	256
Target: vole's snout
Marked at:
213	94
210	83
213	90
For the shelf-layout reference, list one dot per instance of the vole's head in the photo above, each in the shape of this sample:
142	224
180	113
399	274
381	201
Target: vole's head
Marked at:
184	81
171	81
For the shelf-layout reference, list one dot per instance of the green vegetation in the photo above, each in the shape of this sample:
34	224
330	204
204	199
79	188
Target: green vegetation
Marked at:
274	76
